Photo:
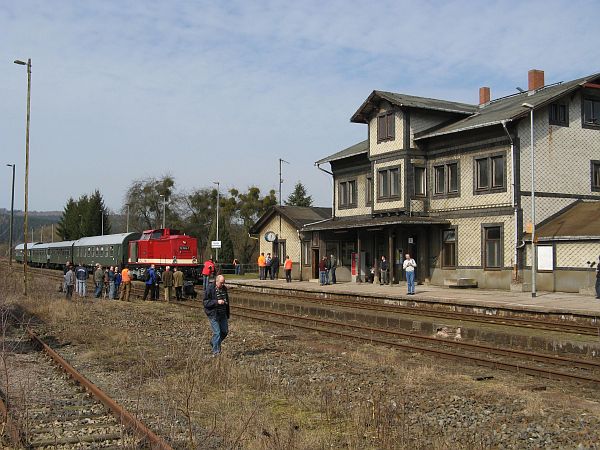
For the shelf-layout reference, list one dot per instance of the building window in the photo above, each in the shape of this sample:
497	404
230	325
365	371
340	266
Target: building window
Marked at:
490	174
558	114
420	182
446	179
591	112
348	247
388	183
449	248
347	198
492	246
306	253
595	176
386	127
369	192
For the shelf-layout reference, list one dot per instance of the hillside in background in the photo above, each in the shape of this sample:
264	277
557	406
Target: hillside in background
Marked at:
37	220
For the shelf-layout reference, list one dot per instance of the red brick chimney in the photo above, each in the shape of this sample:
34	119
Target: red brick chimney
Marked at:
484	95
536	79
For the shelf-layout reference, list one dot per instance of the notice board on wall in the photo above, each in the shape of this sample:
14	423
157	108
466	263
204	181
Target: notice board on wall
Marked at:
545	257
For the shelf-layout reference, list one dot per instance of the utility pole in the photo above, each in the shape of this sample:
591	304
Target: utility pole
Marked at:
218	201
281	179
102	217
533	237
127	217
12	214
26	223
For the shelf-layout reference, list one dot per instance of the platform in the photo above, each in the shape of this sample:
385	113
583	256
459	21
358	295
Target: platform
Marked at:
544	303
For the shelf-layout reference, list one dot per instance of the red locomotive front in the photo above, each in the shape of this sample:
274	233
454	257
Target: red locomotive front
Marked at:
164	247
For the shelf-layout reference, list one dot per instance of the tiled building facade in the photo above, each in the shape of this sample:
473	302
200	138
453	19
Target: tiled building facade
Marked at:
450	182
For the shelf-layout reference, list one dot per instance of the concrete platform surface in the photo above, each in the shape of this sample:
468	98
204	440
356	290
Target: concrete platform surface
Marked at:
544	302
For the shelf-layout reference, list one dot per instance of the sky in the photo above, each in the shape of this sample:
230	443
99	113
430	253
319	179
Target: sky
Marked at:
219	91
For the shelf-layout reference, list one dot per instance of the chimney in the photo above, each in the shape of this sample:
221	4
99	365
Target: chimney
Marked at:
536	79
484	95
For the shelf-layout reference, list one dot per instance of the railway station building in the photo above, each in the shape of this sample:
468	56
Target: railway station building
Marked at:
450	183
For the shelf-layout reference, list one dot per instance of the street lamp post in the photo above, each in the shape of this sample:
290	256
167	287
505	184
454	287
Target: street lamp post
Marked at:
127	217
102	219
533	246
164	203
25	224
218	201
12	213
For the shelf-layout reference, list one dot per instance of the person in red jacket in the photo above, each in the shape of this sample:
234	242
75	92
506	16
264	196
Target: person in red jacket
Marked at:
207	272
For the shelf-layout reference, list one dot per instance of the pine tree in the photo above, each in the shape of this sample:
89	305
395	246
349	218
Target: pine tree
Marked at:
299	197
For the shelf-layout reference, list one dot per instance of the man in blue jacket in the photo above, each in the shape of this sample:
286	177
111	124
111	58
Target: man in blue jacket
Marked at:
150	277
216	307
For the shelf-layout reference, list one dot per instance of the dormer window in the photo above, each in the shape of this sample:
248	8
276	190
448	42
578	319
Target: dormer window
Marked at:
386	127
558	114
591	112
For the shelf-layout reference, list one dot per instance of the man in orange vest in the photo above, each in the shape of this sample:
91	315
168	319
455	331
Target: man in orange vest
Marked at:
262	266
288	269
126	282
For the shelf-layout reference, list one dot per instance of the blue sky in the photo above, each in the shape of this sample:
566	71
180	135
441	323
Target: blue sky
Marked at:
220	90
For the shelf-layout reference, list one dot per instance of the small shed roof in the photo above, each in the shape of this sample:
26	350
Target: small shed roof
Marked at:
581	220
107	239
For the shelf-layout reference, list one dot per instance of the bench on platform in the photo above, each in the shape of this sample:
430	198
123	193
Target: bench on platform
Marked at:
460	283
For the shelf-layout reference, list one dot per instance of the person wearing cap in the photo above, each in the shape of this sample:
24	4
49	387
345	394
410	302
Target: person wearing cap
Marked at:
98	280
167	279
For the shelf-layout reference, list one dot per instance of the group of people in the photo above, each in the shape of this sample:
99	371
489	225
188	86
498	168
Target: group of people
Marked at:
109	282
171	280
268	267
327	267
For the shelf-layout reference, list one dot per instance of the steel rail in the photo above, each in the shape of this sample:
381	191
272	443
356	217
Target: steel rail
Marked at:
459	316
540	372
131	422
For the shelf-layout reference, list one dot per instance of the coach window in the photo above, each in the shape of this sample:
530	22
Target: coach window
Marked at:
449	249
492	246
112	251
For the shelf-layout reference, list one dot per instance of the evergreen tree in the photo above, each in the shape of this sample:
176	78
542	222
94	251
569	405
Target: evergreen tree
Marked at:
69	223
84	217
299	197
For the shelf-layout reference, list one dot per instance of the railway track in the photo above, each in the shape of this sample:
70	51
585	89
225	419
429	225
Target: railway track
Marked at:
375	305
531	363
48	404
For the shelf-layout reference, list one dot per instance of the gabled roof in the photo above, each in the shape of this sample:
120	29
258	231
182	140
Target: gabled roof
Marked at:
361	115
356	149
510	108
580	220
297	215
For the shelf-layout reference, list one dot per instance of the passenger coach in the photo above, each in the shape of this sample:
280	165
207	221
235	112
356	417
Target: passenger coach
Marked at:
107	250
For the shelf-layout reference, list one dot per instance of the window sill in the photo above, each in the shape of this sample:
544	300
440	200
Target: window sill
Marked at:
590	126
495	190
389	199
350	206
379	141
449	195
558	124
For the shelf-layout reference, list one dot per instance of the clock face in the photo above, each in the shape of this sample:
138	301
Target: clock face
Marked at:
270	236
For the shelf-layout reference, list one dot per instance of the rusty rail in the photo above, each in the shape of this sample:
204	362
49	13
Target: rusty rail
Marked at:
135	425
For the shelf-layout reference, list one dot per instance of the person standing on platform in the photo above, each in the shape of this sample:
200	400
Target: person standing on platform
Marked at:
262	264
275	268
268	262
150	277
598	278
82	275
69	282
323	271
287	266
385	270
409	267
98	280
167	280
333	267
126	282
178	283
216	307
237	268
